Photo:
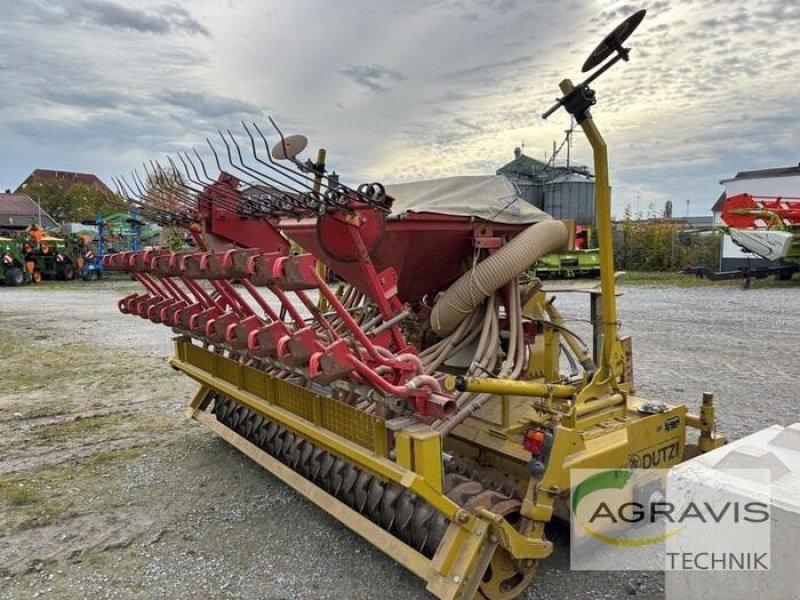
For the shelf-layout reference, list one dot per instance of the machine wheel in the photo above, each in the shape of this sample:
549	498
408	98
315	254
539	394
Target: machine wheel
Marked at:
36	277
14	276
506	578
66	273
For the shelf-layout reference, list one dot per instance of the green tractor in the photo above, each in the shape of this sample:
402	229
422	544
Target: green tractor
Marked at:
48	258
12	264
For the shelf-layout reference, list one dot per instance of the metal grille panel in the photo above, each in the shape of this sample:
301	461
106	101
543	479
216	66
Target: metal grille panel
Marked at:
344	420
349	422
203	359
228	370
259	383
294	399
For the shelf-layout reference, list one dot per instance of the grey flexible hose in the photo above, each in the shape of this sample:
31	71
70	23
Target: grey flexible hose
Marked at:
491	274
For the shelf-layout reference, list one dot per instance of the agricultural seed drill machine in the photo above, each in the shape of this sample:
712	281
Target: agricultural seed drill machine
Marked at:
421	403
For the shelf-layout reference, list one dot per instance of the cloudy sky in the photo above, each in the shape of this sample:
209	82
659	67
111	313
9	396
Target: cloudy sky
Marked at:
399	90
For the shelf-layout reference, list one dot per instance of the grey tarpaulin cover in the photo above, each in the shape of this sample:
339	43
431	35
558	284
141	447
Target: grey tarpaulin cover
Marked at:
488	197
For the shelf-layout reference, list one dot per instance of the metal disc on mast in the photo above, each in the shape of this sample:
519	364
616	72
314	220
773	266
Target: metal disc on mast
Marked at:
613	41
290	147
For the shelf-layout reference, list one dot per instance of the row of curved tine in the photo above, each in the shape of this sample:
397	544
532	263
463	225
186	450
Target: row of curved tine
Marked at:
169	193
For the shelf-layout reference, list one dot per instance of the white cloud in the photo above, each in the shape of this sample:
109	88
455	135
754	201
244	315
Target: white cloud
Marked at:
403	90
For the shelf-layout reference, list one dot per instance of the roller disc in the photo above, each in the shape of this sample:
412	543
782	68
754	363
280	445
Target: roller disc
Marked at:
402	517
306	464
325	466
374	495
261	435
361	491
296	453
388	505
419	525
316	464
285	454
337	476
278	442
349	484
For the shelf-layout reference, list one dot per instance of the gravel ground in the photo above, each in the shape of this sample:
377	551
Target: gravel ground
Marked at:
106	491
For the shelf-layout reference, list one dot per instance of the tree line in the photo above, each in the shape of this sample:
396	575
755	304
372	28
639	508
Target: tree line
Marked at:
658	243
79	202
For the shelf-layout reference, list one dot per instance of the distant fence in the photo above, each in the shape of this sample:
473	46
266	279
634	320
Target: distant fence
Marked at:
663	246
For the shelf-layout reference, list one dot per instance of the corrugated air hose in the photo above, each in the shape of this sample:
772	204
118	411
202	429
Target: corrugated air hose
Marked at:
491	274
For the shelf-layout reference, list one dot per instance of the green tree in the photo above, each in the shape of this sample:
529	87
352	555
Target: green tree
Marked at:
77	203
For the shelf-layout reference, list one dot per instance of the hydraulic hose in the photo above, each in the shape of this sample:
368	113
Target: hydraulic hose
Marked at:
491	274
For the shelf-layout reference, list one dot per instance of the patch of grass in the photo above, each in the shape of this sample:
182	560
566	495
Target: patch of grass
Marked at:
674	279
48	410
20	495
78	427
44	495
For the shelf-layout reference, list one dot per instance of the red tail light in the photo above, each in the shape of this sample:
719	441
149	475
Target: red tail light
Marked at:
533	442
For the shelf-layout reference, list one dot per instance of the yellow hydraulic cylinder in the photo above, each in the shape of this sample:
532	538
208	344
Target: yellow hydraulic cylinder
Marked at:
509	386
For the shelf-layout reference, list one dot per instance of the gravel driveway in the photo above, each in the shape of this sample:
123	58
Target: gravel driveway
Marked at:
106	491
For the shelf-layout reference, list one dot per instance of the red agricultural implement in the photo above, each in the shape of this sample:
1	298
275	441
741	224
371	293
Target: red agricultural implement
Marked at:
422	403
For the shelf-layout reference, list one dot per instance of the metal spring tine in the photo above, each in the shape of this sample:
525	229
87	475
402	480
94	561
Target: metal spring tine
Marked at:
243	168
283	142
160	215
232	203
127	190
178	186
268	180
202	165
149	198
216	156
295	175
185	158
124	192
290	174
208	179
334	193
141	188
181	180
168	187
320	199
337	188
277	165
114	198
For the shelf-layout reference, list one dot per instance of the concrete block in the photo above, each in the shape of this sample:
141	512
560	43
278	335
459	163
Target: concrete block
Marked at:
777	449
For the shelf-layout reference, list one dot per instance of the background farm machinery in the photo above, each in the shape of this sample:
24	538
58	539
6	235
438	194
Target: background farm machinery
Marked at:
48	257
34	255
577	260
122	229
767	226
422	402
12	265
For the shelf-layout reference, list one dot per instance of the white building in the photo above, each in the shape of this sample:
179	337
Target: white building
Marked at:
783	182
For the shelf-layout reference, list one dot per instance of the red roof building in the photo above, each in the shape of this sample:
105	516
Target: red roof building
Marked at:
65	179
